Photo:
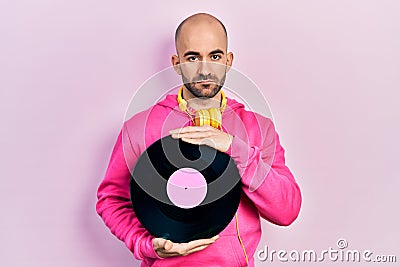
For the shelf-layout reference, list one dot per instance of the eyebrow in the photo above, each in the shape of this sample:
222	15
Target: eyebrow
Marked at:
194	53
217	51
191	53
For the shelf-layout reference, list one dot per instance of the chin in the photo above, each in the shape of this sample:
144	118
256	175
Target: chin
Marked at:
206	90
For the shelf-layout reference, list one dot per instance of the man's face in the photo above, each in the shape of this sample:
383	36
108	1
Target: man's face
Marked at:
203	79
202	58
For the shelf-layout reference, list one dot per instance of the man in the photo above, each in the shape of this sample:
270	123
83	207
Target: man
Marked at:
269	188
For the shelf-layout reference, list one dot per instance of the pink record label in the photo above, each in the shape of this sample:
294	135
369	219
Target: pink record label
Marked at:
186	188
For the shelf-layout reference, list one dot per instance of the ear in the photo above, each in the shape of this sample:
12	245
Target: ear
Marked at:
175	63
229	60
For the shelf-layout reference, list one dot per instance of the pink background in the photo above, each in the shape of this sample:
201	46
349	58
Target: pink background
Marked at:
329	69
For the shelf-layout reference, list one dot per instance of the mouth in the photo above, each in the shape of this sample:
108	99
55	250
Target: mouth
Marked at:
206	82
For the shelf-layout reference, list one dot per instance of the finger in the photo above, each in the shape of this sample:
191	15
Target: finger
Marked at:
197	249
183	248
162	244
189	129
168	245
192	141
201	141
205	240
164	254
195	245
158	243
215	237
164	248
194	134
198	243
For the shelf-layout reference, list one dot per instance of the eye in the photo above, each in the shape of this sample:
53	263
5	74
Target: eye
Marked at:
192	58
215	57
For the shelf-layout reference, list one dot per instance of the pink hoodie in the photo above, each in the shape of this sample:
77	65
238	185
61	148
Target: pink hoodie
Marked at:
269	188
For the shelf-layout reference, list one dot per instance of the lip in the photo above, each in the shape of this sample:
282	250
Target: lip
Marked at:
205	81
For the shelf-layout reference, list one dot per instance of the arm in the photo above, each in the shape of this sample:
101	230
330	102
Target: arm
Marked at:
267	181
115	208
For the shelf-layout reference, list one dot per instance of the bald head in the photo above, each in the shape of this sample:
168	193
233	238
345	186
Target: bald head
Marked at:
202	58
200	22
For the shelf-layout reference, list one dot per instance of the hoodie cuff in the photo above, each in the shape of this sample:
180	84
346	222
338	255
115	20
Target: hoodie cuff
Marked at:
240	151
148	249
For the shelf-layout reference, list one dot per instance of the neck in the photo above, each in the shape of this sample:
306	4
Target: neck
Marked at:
198	103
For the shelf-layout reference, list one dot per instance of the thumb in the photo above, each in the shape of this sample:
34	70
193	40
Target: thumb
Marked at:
168	245
161	243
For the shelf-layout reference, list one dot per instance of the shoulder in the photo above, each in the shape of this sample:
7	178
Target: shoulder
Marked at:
249	117
139	118
153	113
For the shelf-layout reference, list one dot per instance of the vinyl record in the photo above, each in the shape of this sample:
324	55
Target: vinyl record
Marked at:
182	192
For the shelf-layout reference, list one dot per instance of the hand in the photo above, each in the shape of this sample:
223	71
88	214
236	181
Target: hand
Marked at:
166	248
206	135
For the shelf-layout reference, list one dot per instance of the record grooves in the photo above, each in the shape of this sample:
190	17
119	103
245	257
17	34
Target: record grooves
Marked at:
153	206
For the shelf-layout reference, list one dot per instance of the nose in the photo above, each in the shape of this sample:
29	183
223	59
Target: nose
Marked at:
204	68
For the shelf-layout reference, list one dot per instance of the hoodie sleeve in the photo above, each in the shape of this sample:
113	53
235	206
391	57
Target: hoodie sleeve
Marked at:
266	180
115	208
